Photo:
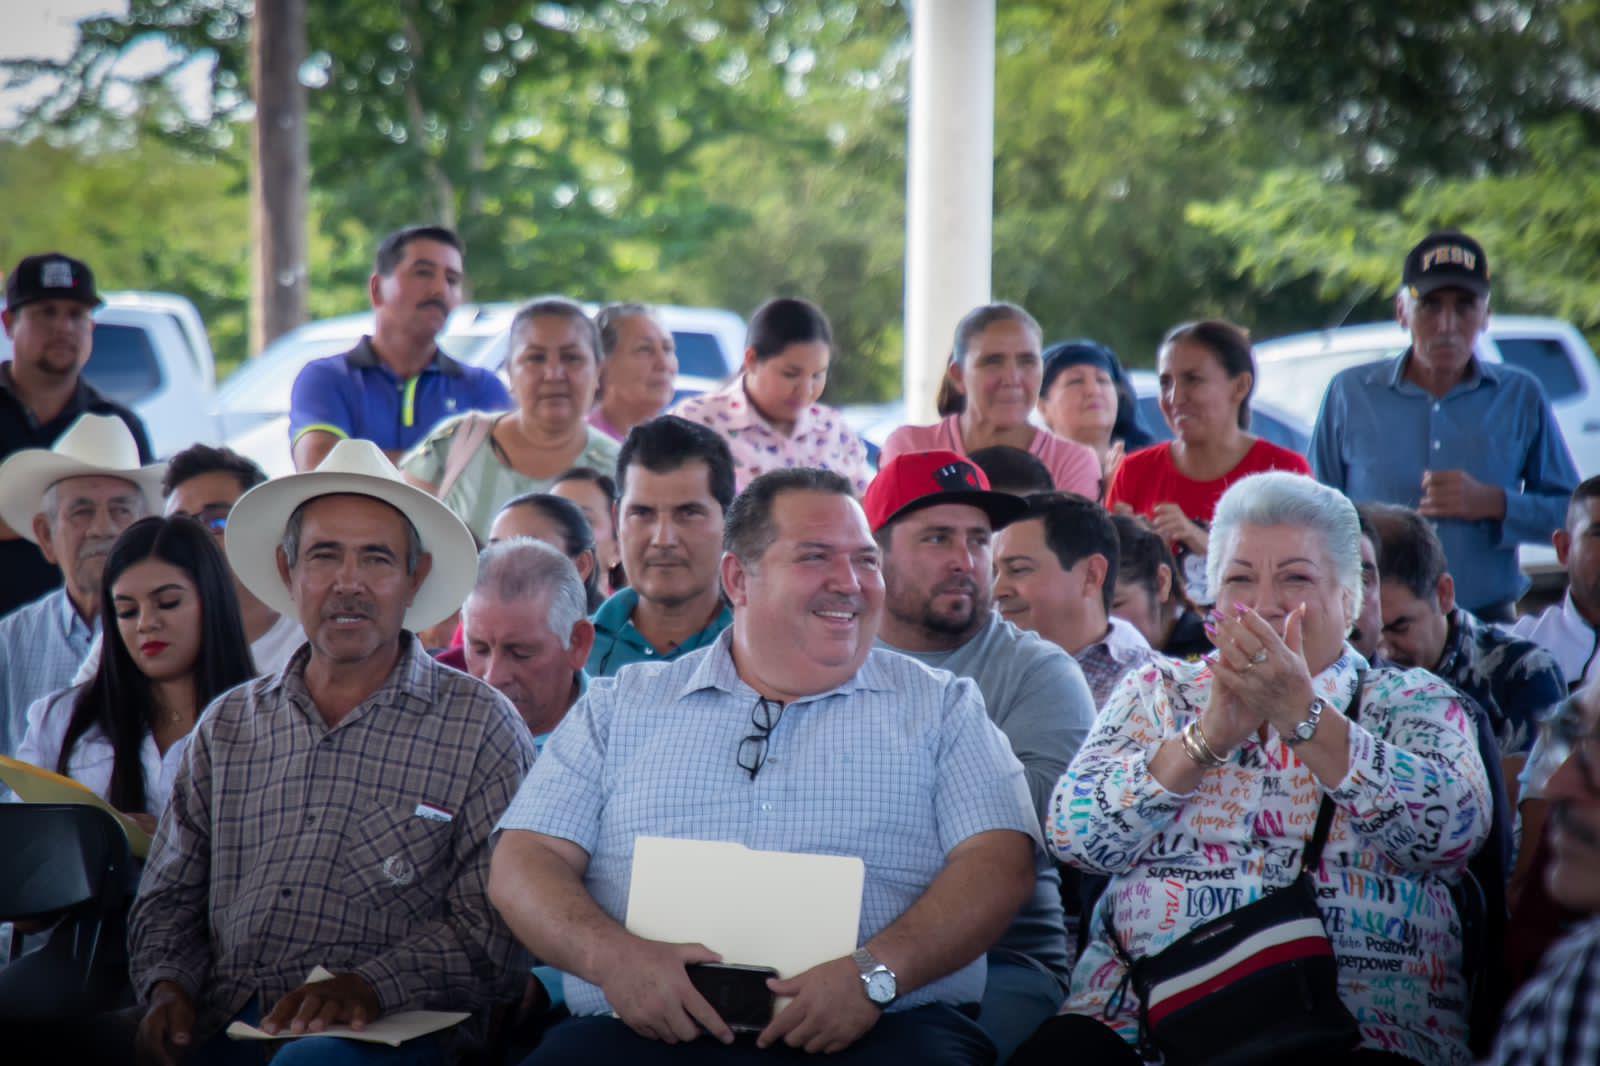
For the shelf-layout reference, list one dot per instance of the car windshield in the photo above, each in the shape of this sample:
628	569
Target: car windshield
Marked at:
123	363
1297	384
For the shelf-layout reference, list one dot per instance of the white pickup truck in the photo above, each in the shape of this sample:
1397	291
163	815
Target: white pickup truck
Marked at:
1295	372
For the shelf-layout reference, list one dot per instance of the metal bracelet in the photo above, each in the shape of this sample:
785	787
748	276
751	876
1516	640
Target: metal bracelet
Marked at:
1196	747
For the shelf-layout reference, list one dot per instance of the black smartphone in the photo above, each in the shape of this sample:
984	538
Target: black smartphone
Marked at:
739	994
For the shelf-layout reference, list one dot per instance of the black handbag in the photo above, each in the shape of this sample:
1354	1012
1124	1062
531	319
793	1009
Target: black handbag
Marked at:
1257	986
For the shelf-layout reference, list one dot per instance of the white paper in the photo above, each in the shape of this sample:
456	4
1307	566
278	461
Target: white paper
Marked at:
392	1029
754	908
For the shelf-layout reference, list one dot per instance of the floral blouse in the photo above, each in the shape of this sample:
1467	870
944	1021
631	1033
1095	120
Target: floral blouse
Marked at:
1414	806
821	437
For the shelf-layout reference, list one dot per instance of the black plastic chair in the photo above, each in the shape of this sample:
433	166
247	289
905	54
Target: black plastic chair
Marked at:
68	862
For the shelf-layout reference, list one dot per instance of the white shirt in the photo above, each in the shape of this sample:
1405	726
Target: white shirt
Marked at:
92	756
271	651
1567	636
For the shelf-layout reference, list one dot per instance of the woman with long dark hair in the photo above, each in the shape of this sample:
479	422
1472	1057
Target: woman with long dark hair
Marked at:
174	642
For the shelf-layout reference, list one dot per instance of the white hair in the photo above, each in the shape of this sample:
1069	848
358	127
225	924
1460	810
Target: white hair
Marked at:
1283	499
525	569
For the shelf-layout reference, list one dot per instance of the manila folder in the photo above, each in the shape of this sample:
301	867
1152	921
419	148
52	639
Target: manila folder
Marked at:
781	909
33	784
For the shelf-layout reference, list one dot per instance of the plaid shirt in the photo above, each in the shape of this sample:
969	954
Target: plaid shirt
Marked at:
364	847
41	645
1106	660
1556	1016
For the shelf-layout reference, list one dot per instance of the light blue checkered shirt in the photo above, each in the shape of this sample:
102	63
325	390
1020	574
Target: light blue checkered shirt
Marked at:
41	645
897	766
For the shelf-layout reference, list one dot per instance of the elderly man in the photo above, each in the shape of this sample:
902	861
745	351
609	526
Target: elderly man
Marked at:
527	632
850	751
1514	681
1056	573
1474	446
1570	630
397	384
1556	1016
337	813
72	501
933	516
48	316
203	483
638	370
676	479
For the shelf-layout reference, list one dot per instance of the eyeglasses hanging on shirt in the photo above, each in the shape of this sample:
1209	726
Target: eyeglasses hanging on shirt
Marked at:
753	748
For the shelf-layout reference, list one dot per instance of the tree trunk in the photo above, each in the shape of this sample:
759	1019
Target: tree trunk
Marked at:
279	173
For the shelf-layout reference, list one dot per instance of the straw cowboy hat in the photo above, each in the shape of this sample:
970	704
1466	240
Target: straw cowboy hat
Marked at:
93	446
358	468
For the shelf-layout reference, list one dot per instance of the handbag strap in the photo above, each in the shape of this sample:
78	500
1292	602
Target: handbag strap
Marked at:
464	444
1319	837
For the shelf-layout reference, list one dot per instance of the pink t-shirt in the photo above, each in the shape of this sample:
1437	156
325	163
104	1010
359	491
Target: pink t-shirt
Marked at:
821	437
1074	467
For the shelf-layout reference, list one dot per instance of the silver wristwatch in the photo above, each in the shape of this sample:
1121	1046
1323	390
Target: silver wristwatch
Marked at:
1308	728
876	978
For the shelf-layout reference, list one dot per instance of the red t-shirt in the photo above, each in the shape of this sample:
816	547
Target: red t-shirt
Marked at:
1149	476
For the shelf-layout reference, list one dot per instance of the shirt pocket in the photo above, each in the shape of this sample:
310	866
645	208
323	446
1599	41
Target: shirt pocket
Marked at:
397	861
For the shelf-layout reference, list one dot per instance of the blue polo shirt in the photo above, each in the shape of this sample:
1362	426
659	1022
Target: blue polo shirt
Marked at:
617	643
355	395
1378	432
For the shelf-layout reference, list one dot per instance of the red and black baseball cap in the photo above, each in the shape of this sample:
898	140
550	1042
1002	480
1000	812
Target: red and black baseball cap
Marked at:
51	276
916	480
1446	259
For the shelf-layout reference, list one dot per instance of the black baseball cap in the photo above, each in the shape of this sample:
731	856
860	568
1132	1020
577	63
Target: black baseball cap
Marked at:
51	276
1446	259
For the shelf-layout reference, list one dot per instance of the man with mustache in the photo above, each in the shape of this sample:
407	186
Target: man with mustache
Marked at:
50	300
1472	445
676	481
1556	1016
336	813
791	732
396	385
72	501
934	517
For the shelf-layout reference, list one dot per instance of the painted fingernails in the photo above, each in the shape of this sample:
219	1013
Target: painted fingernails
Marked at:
1210	628
1240	609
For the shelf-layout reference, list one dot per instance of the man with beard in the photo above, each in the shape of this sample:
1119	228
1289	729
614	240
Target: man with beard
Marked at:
48	316
934	515
336	813
1556	1016
397	384
791	732
72	501
676	480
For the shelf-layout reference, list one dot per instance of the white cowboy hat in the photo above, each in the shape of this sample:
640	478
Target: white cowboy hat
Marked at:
357	468
93	446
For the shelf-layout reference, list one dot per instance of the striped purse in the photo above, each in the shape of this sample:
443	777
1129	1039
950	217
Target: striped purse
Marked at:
1254	987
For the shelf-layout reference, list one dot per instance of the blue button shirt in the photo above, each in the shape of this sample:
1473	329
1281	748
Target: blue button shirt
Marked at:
1378	432
897	766
617	643
356	395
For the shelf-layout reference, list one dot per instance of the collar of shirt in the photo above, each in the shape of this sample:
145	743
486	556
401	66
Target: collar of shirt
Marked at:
84	397
1122	641
1478	373
738	412
411	686
364	356
1459	645
72	624
615	620
716	670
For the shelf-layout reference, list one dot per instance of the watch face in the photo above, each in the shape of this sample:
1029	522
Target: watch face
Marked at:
1305	730
880	987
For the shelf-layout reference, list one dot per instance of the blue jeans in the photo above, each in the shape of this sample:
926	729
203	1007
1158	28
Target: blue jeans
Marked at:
935	1035
1017	1000
222	1050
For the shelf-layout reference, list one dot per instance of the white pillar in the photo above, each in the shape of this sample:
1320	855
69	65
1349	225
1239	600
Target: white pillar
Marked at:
949	184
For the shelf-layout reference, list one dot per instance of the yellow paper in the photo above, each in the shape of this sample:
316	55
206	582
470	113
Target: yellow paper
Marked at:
392	1029
38	785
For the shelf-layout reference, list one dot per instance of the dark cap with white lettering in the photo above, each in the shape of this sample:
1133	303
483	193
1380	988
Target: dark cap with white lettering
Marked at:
51	276
1446	259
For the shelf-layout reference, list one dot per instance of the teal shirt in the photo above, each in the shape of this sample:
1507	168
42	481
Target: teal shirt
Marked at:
617	643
